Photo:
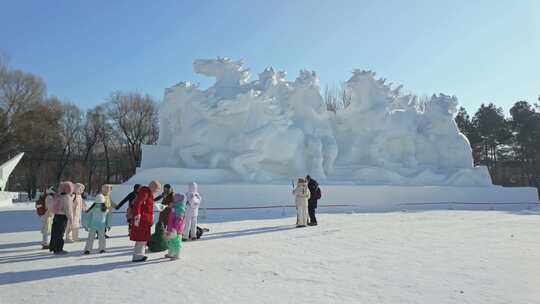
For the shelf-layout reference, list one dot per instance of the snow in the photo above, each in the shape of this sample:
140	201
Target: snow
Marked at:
394	257
270	130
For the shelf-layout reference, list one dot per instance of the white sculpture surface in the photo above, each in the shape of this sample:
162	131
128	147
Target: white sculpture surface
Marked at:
271	130
6	169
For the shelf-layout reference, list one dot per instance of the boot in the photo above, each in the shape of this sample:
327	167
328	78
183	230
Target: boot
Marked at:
139	259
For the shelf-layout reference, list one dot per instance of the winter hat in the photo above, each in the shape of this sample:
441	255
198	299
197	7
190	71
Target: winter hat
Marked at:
155	184
100	199
178	198
179	206
168	189
193	187
66	187
79	188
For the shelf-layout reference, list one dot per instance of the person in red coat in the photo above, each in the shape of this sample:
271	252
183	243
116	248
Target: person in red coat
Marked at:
143	218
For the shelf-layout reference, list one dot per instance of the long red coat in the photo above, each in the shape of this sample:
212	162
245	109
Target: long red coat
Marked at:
143	206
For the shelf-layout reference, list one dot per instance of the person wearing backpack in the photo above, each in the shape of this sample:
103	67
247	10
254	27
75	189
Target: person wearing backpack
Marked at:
315	192
62	214
97	221
44	209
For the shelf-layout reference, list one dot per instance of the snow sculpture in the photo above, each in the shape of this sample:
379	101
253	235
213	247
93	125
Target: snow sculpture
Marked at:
6	169
389	138
271	130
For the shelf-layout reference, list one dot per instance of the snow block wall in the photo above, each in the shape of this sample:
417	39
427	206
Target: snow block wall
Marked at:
360	198
270	130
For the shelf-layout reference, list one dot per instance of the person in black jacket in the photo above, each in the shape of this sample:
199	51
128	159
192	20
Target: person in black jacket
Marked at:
315	192
129	198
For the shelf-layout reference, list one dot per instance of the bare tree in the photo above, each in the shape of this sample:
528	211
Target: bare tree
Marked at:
19	91
37	134
108	135
331	99
136	118
336	98
91	134
70	128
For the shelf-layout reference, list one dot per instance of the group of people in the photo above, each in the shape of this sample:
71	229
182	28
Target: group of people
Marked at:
307	193
63	213
60	213
178	219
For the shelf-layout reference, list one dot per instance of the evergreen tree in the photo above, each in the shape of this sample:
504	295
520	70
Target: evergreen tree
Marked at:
493	132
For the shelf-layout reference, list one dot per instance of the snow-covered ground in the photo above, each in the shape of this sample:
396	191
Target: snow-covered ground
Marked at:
400	257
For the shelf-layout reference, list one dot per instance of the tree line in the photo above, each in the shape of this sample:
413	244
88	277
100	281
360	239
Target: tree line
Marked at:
62	141
102	144
500	141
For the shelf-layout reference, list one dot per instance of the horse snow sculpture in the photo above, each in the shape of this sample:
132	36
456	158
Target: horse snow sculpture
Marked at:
270	129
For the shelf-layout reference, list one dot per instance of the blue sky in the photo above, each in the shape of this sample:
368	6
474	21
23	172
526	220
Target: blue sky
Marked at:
480	51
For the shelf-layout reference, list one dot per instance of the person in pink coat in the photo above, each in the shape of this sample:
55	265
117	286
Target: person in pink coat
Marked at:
73	226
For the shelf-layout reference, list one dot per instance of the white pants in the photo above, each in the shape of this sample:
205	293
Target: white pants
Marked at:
46	223
138	250
74	234
190	224
302	213
92	236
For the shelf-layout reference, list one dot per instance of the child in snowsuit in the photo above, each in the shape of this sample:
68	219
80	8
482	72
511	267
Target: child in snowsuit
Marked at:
192	212
72	231
175	226
96	223
301	193
45	206
62	214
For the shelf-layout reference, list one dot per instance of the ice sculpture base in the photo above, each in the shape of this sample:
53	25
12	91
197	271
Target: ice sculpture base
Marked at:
364	198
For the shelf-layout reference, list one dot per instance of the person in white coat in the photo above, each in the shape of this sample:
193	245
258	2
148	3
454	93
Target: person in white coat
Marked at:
72	230
193	201
45	206
301	193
